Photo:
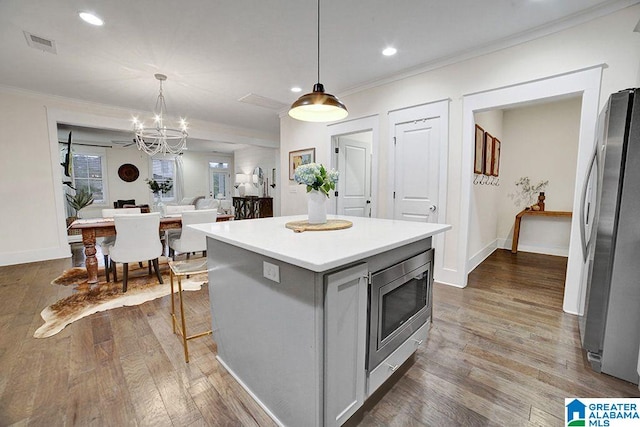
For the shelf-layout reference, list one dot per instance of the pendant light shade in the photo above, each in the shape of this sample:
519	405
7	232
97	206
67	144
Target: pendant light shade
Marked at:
318	106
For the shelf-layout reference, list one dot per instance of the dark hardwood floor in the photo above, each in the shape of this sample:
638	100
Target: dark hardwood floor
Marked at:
500	352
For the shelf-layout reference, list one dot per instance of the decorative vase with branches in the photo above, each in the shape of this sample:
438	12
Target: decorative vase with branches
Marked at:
160	187
526	193
156	188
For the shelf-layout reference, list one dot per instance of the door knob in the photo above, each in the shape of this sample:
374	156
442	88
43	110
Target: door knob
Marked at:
432	208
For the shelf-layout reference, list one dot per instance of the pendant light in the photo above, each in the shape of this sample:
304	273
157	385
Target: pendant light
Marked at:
318	106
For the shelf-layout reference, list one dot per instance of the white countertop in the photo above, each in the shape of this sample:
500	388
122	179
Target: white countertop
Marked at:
320	250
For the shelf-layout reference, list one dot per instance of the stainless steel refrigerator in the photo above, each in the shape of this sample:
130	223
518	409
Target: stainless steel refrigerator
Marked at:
610	231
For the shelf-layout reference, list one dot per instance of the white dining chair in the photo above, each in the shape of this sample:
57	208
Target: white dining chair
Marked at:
109	240
137	240
191	240
174	210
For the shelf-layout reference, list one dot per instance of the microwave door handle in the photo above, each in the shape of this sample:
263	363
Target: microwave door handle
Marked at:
583	208
421	275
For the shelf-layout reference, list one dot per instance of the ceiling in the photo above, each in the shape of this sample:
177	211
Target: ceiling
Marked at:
216	52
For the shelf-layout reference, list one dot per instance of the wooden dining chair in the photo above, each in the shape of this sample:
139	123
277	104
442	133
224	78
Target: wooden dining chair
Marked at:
137	240
119	204
191	240
109	240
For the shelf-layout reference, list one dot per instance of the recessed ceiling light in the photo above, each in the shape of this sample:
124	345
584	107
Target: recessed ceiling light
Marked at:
296	89
91	18
390	51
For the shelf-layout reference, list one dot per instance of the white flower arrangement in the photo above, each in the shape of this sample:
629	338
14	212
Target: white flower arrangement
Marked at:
526	193
316	177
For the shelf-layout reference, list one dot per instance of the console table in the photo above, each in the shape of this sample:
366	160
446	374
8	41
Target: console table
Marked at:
250	207
516	228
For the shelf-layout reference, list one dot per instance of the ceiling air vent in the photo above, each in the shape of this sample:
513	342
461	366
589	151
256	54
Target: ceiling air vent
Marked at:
40	43
263	101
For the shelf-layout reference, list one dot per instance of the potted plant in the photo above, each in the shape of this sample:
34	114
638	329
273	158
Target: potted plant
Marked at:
319	182
80	200
159	187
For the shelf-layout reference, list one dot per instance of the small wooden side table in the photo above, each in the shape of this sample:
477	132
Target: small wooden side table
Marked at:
516	228
180	269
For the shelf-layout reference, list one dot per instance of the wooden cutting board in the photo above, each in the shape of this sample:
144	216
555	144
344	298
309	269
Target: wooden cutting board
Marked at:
331	224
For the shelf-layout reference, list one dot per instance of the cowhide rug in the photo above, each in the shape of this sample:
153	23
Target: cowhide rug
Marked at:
89	299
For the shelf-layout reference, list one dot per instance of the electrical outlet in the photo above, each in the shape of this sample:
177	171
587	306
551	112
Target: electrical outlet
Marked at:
271	271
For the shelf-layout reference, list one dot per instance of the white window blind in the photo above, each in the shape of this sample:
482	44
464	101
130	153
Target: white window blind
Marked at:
164	170
88	173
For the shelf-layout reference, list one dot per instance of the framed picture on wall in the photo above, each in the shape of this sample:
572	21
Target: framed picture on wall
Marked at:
300	157
495	162
488	153
479	156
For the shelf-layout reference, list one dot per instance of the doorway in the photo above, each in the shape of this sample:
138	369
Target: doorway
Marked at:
418	171
354	145
352	154
538	145
585	82
220	178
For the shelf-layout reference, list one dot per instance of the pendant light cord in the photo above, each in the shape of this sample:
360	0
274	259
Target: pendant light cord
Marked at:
318	41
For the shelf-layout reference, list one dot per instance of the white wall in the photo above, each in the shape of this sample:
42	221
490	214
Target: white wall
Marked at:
483	227
196	173
247	159
541	142
609	40
195	177
117	188
33	224
295	135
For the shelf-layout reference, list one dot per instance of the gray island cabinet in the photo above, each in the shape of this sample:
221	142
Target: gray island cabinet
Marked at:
289	310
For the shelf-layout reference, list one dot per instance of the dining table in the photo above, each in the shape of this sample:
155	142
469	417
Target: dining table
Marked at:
92	228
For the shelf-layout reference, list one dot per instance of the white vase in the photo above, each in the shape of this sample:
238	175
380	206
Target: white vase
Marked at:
317	207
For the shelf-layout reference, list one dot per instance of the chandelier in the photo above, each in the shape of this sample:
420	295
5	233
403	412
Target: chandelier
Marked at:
159	138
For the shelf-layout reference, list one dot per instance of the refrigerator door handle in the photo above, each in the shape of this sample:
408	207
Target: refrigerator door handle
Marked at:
583	208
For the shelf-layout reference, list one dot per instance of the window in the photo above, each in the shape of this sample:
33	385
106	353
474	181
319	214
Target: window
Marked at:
164	170
88	174
219	183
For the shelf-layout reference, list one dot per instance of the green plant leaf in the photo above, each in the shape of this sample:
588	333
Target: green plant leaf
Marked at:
80	200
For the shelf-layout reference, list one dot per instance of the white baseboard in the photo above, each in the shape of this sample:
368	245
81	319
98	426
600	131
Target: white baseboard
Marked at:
481	255
12	258
248	390
455	285
446	276
545	250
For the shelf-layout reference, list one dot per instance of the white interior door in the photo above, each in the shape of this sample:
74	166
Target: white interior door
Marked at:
417	170
354	184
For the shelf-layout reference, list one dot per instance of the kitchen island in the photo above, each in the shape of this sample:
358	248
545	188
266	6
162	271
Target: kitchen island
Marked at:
289	310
